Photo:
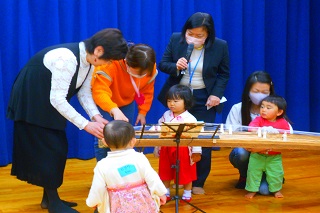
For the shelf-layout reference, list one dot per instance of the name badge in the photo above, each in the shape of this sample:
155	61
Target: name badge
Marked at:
127	170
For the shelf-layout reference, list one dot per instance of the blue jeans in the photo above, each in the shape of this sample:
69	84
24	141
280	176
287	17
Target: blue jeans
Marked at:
128	111
239	158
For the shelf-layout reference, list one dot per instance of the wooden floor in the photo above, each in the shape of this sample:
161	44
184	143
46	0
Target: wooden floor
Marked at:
301	189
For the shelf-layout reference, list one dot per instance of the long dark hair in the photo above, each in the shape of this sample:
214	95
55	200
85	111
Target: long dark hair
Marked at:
258	76
200	20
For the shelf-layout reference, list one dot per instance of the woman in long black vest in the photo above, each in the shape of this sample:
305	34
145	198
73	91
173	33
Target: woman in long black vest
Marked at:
207	74
39	106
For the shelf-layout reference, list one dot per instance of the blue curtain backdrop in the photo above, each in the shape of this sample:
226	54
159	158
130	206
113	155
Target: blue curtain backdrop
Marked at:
278	36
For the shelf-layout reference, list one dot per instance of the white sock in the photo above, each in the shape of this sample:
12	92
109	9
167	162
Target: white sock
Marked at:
186	193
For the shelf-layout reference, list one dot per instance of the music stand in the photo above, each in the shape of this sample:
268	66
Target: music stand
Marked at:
141	136
178	133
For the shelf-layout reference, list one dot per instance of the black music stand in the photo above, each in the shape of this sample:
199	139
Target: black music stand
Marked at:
141	136
178	133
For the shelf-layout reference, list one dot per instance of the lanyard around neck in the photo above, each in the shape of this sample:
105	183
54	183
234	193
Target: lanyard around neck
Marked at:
135	87
194	69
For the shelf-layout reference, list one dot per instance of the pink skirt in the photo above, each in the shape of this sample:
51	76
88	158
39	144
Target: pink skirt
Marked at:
132	198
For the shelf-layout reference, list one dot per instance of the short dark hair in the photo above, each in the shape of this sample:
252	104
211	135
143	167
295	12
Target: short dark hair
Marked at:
114	45
257	76
118	134
200	20
280	102
183	92
141	56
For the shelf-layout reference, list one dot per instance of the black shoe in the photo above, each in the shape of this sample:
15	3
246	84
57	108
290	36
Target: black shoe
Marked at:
241	183
44	205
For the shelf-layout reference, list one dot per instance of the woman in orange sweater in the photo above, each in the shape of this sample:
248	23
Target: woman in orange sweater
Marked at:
117	85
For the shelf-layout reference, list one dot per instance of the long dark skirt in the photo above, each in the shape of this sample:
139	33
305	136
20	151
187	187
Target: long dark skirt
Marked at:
39	154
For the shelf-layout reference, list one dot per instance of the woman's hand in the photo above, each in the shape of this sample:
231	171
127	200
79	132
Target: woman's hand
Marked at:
118	114
95	128
182	64
140	118
98	118
213	101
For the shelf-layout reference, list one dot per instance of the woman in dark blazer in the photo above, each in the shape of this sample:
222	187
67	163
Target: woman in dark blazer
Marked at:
206	73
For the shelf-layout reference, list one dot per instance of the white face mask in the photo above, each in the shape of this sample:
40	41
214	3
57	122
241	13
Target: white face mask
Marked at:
256	98
198	42
135	75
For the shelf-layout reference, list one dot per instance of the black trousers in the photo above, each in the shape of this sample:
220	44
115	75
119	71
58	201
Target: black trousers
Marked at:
199	110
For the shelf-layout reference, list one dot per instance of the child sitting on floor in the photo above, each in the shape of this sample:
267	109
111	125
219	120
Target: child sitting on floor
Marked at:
273	116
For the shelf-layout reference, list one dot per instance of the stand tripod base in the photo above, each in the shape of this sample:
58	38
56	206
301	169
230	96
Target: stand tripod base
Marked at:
182	201
176	197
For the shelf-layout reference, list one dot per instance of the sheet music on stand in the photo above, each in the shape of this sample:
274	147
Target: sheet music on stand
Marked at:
192	130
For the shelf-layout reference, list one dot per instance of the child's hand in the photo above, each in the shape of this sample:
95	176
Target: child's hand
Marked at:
270	129
163	199
156	151
196	157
